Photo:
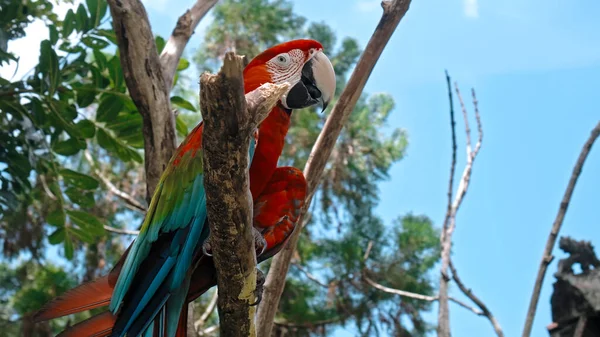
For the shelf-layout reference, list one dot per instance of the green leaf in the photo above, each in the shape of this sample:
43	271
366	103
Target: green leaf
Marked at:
183	64
109	34
86	94
68	23
160	43
124	152
67	147
56	217
57	236
48	65
182	103
82	235
109	108
87	128
97	11
38	112
100	59
79	179
86	221
94	42
53	32
181	127
68	248
116	74
82	19
82	198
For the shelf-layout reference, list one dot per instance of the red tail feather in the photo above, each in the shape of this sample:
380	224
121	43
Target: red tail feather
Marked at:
97	326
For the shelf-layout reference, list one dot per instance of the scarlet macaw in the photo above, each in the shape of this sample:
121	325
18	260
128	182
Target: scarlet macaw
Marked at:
165	268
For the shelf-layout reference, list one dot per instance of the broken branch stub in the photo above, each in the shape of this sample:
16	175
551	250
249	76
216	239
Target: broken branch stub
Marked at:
230	118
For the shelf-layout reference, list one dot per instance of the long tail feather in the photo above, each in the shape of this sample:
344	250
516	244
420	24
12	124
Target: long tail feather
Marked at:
96	326
87	296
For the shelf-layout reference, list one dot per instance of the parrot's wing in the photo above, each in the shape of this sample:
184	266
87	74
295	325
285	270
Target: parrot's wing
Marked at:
161	254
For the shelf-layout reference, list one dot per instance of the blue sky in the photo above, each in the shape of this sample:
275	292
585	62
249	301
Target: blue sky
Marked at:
536	68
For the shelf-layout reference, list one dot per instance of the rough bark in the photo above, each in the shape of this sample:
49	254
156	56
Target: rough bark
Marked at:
229	121
149	78
186	24
393	11
562	210
144	78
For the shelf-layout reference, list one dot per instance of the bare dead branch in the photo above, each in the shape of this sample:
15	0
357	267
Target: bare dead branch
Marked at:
229	122
186	24
393	11
407	293
121	231
129	200
144	78
443	329
453	163
210	331
212	304
484	309
418	296
562	210
309	275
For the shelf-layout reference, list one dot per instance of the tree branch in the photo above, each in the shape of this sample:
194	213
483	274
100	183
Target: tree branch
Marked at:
562	210
121	231
393	11
129	200
404	293
309	275
229	121
144	78
212	304
484	309
186	24
443	329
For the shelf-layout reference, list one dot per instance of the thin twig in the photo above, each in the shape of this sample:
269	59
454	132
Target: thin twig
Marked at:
129	200
309	275
453	163
408	293
121	231
209	331
212	304
419	296
484	309
562	210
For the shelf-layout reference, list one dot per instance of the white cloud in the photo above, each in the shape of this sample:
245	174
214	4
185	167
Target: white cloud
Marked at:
367	6
471	8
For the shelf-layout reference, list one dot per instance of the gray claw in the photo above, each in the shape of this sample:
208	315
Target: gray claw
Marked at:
206	248
259	241
260	282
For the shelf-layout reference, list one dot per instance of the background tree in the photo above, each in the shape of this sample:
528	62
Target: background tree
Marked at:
71	133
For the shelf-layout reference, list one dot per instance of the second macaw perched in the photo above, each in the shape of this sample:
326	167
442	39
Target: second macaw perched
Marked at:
165	268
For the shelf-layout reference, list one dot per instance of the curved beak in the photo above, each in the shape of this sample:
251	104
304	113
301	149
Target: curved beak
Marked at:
316	85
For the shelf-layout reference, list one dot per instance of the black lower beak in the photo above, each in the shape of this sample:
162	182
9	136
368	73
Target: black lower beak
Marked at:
305	93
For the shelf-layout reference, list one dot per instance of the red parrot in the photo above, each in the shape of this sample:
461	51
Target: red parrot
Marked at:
167	266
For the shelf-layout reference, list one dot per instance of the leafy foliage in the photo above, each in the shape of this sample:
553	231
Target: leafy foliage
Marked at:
69	127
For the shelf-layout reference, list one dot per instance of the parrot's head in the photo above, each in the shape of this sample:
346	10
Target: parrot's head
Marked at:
302	64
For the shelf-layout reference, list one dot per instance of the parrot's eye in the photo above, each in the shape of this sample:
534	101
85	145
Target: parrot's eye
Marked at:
282	60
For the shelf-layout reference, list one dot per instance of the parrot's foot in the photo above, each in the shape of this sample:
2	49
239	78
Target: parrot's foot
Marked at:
206	247
260	286
260	244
